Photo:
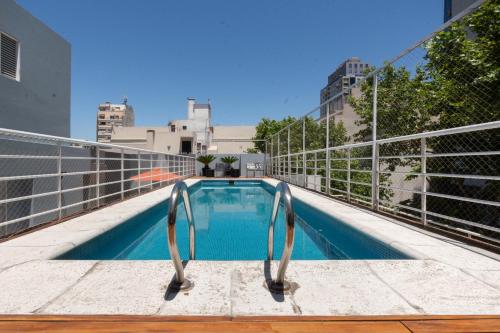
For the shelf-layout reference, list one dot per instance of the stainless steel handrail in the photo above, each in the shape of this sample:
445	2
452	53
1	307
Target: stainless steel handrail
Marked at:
180	188
282	191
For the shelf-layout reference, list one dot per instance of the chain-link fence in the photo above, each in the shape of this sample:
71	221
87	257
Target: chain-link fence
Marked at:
418	137
45	178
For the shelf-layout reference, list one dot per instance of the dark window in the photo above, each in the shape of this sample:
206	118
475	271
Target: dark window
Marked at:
172	128
184	127
8	56
186	147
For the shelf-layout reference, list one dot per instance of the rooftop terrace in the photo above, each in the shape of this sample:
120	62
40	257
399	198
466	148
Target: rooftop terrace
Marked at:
411	163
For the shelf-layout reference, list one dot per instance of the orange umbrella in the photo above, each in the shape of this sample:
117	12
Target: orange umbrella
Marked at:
155	175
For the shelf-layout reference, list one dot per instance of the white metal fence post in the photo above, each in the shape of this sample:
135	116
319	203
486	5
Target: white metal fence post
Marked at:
327	155
139	180
59	180
423	197
122	175
272	156
279	157
265	158
288	158
316	173
375	161
304	151
98	175
151	171
348	174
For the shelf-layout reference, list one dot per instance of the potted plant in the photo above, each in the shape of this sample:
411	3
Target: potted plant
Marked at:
206	160
229	160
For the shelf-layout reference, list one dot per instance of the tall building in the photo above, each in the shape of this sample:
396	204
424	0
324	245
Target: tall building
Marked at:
35	74
453	7
340	82
113	115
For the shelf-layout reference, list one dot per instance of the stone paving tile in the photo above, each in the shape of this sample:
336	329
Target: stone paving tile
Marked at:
437	288
249	295
12	255
117	287
27	287
210	294
343	288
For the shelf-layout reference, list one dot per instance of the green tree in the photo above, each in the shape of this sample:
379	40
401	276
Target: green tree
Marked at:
463	64
267	128
458	84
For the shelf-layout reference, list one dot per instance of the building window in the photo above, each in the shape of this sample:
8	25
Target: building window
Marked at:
184	127
9	56
172	128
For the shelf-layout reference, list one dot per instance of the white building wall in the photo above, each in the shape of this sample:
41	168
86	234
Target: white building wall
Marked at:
40	101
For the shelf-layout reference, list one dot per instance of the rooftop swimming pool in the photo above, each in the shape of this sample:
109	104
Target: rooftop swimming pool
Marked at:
231	220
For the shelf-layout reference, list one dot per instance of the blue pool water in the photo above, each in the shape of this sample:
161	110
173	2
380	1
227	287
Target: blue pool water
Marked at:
231	224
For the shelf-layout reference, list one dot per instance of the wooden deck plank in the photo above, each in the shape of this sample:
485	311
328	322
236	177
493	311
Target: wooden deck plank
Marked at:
222	324
456	326
205	327
173	318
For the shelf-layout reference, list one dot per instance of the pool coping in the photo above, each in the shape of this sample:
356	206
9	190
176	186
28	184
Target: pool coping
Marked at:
445	270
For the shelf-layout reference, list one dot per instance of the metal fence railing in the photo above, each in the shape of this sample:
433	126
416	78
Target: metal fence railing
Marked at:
46	178
417	137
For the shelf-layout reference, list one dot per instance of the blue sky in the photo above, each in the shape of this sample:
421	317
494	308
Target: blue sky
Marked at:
253	59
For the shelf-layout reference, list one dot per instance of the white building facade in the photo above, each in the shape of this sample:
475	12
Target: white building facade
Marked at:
194	135
198	123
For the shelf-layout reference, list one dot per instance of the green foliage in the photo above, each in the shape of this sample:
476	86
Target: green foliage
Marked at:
458	85
268	127
464	68
402	104
315	136
206	159
229	159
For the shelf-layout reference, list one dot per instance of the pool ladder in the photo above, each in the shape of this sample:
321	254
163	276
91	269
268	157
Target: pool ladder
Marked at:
180	189
282	193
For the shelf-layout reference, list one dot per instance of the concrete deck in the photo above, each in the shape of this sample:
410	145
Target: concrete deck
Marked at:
447	278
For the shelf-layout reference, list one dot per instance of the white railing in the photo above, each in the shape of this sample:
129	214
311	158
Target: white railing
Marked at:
331	171
46	178
417	137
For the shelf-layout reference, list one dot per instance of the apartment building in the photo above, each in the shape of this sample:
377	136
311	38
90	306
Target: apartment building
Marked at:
194	135
342	83
347	74
111	116
453	7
